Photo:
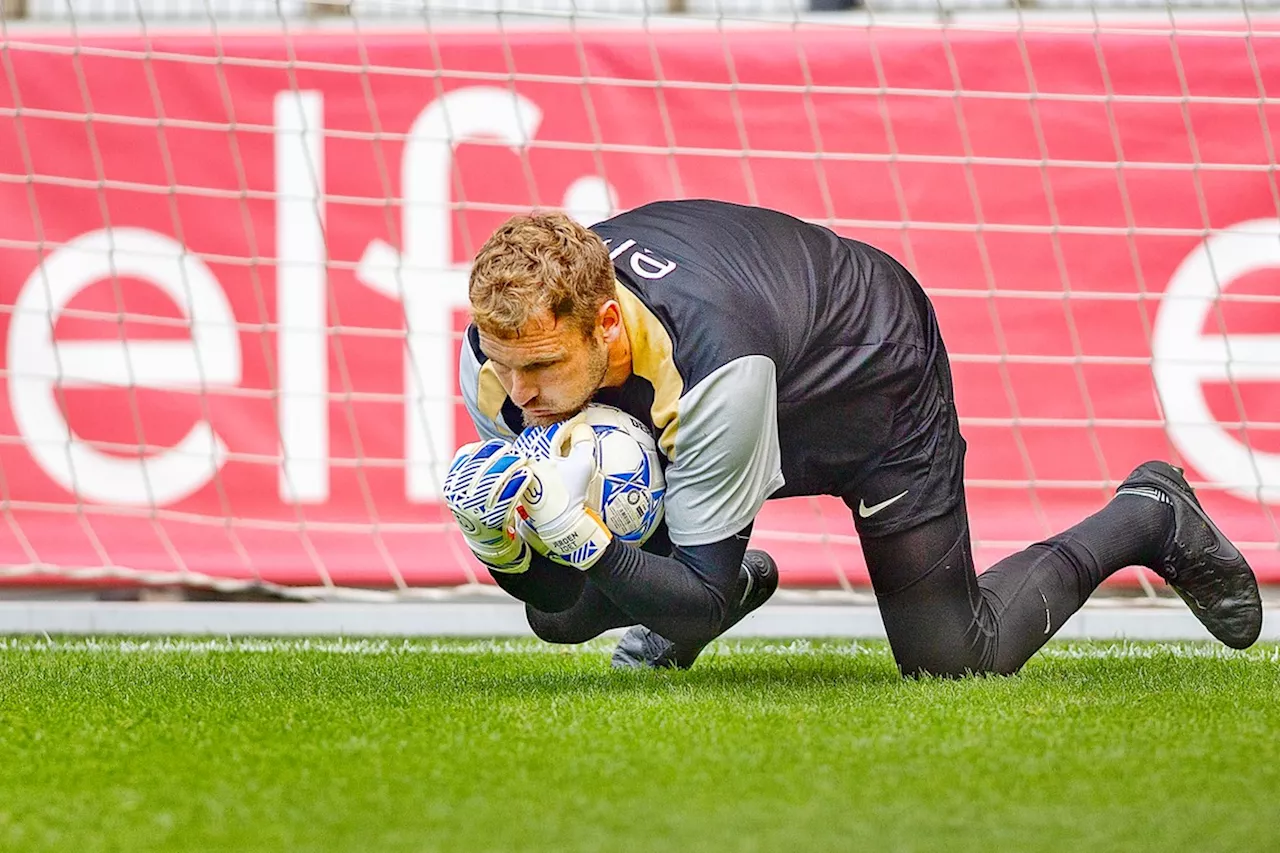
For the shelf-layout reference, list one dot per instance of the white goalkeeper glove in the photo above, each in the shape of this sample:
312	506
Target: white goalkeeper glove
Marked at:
554	503
482	490
547	442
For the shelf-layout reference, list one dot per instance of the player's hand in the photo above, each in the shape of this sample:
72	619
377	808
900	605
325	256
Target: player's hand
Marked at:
482	490
554	503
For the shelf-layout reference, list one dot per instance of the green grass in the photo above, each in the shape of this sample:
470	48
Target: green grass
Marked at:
418	746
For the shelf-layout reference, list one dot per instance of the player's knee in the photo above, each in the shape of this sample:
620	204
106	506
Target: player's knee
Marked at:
940	657
934	670
946	662
556	628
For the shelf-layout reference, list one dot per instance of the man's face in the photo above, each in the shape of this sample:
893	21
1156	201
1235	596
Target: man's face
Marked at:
551	370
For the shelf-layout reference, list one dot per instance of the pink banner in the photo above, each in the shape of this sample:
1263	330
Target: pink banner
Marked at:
232	269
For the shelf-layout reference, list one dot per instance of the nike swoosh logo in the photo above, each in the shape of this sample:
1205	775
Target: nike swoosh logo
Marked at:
868	511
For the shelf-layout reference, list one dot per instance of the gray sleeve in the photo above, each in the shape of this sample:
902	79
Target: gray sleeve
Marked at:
469	380
726	460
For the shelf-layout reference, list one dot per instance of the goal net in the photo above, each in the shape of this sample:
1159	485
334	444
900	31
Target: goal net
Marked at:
234	240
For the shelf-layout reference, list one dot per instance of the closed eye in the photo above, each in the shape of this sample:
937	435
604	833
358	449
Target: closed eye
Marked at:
526	368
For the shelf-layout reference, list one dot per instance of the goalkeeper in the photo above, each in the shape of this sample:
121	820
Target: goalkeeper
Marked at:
771	358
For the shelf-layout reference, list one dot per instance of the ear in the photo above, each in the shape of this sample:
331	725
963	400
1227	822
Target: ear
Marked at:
609	320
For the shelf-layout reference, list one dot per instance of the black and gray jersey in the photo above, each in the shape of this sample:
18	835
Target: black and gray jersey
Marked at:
770	356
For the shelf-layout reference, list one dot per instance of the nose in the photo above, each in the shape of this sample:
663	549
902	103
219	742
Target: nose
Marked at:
523	391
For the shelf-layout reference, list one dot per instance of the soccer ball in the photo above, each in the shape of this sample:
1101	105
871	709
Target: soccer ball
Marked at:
628	488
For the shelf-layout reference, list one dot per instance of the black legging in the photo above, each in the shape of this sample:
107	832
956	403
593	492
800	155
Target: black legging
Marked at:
682	593
943	619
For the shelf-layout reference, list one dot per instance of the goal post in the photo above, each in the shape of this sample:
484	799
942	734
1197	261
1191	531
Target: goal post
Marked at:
234	241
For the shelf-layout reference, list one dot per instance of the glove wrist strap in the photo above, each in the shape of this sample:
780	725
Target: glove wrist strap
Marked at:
578	538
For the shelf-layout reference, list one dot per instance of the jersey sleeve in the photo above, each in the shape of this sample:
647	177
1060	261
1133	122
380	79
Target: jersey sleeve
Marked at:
726	459
481	392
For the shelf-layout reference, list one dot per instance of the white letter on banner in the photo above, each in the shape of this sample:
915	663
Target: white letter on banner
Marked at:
590	199
301	298
424	277
39	365
1183	357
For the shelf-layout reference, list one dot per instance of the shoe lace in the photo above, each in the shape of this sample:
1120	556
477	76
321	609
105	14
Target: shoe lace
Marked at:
1190	559
1194	580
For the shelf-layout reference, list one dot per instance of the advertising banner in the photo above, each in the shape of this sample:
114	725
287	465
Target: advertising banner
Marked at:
233	268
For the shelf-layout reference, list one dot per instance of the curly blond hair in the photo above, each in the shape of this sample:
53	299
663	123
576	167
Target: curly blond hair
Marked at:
535	261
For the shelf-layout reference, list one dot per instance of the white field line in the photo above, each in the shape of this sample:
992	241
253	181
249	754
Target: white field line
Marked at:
1073	650
489	619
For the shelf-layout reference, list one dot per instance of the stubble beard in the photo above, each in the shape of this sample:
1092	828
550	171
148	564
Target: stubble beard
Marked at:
597	367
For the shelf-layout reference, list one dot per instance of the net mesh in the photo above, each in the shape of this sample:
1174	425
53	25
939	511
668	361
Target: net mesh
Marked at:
234	239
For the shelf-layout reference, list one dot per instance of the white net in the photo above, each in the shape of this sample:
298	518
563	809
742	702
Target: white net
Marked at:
234	237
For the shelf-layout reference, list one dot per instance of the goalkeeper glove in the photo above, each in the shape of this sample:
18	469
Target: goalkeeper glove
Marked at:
482	490
554	503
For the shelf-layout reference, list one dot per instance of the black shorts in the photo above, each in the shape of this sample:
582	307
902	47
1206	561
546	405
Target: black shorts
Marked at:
921	474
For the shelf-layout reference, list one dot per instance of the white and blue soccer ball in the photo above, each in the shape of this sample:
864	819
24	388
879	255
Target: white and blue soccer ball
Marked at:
628	488
631	483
